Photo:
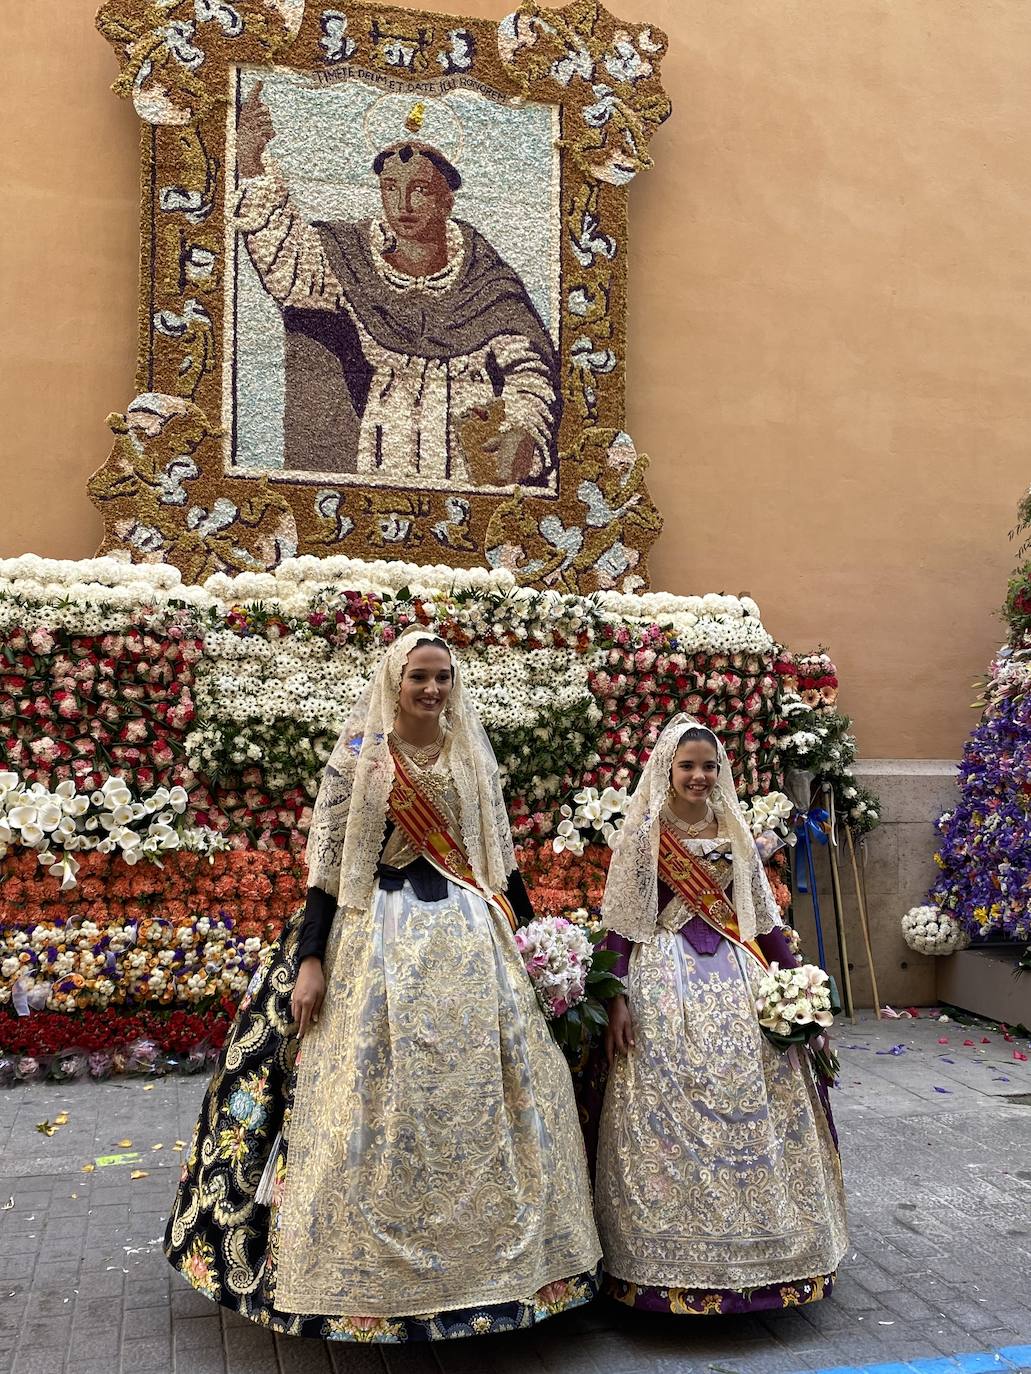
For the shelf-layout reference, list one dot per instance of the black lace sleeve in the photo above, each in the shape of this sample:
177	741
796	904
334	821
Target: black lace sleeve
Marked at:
319	910
517	895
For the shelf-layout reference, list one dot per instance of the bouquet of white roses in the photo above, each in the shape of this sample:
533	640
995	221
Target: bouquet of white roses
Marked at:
570	975
795	1007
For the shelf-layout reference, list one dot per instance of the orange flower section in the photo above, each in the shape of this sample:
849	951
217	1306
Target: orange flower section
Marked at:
561	883
258	889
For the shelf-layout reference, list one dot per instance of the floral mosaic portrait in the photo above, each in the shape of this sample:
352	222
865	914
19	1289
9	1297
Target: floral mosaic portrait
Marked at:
396	273
383	289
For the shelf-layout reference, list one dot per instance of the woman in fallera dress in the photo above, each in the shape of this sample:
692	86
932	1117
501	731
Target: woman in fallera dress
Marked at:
416	1170
718	1186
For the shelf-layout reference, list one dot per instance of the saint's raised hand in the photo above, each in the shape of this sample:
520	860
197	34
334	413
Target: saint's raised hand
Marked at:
254	131
514	452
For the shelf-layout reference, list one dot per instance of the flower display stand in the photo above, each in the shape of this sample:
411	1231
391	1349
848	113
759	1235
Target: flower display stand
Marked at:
985	981
161	744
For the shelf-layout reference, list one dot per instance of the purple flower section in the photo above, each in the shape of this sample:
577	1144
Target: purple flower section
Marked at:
985	851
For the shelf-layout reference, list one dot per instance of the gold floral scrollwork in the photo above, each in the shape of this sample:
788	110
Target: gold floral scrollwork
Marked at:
195	335
334	522
155	443
405	43
605	544
394	518
453	530
616	65
158	500
176	54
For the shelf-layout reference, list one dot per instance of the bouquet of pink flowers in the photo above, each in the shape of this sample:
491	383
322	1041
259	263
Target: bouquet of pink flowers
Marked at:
570	975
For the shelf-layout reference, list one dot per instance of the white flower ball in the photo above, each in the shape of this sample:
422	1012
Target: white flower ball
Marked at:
929	930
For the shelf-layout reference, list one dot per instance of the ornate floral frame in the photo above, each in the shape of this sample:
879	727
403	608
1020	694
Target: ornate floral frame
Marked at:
164	492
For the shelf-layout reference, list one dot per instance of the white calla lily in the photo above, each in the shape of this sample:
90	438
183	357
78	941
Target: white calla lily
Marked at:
49	816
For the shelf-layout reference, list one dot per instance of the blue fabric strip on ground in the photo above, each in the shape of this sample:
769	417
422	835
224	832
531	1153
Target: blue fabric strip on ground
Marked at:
1007	1358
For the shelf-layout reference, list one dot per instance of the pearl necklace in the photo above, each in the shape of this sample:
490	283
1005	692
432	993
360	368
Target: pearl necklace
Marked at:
695	828
422	758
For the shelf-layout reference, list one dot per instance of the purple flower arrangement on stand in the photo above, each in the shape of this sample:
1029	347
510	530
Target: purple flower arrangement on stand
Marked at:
985	851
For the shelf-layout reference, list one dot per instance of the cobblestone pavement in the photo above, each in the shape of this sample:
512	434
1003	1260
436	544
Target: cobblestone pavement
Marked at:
937	1153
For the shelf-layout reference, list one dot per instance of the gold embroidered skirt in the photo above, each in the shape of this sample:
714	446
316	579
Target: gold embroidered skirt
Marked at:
716	1166
436	1160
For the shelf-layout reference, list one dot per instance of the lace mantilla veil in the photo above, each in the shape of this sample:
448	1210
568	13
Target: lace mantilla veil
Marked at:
349	820
630	906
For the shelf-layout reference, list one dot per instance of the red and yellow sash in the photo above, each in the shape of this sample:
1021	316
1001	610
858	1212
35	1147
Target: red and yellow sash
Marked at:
695	881
426	829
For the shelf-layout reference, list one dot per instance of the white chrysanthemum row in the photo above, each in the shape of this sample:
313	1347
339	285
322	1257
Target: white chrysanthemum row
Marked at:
513	691
929	930
89	595
657	606
122	597
106	572
299	579
722	624
110	577
102	591
255	680
82	617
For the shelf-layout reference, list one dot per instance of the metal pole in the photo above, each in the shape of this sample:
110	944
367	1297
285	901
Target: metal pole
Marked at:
805	839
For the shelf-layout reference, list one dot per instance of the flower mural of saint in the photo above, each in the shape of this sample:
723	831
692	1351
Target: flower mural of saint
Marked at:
414	353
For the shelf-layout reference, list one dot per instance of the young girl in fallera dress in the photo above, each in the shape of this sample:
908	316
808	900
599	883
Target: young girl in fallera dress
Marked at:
718	1182
417	1171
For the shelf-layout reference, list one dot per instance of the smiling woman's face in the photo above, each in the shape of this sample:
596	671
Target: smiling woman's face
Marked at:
426	682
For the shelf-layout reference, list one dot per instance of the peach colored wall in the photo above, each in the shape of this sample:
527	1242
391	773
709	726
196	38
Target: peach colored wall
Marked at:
830	328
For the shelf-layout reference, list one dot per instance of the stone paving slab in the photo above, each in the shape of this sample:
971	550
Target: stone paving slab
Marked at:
936	1143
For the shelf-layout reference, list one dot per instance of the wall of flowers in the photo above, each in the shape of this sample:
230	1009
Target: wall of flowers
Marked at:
161	746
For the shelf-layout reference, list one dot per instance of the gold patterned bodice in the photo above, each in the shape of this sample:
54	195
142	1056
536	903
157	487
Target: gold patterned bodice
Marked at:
715	853
437	783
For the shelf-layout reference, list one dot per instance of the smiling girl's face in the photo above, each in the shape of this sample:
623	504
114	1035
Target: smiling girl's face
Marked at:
695	771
